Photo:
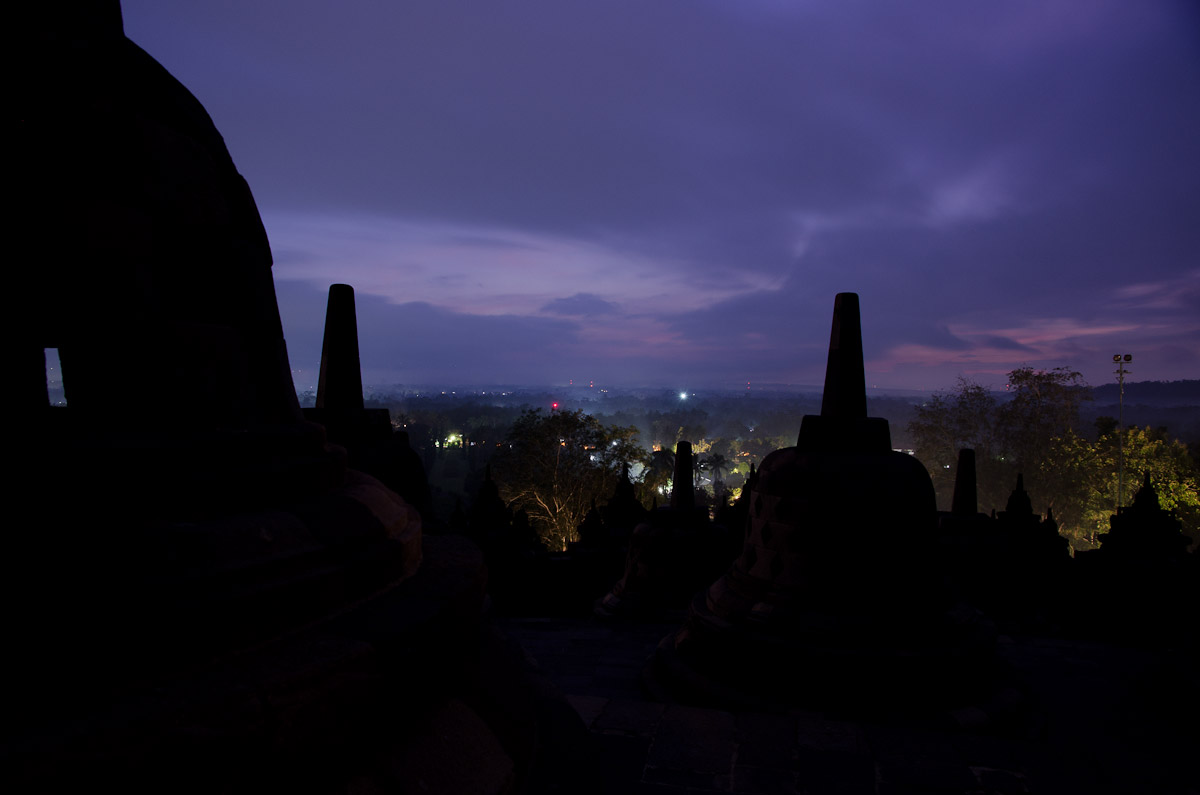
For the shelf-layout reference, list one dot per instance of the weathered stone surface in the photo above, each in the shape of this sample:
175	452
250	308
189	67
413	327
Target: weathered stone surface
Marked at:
764	780
766	741
589	707
630	717
694	740
457	753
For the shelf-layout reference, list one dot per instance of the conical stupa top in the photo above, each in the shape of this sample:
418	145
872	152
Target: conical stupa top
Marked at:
1019	503
965	494
845	395
339	387
1147	496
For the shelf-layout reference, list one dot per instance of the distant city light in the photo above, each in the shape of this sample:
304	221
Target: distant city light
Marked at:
683	395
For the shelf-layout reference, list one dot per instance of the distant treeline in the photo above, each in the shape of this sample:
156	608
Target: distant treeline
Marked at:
1179	393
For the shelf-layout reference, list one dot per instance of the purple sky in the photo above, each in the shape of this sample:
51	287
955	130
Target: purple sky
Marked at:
670	192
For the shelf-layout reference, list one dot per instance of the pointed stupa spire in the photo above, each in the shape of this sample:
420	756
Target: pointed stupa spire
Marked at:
845	395
340	385
1147	496
843	423
966	499
1019	503
683	493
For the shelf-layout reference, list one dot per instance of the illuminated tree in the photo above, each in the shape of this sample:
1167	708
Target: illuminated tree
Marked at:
660	469
1086	474
554	465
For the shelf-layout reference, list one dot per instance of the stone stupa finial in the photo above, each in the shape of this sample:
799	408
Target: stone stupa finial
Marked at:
966	498
1019	503
845	395
843	423
340	384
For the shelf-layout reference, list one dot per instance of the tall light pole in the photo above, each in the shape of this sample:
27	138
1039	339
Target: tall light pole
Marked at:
1121	361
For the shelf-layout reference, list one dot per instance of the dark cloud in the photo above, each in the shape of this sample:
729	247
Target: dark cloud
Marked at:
421	344
1005	344
483	242
1012	177
581	304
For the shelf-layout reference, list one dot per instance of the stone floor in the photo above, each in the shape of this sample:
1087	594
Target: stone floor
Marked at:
1104	722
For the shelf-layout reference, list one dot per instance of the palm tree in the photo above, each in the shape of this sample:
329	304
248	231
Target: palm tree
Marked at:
717	464
660	470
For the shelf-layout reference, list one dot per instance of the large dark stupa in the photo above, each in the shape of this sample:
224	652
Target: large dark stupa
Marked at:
184	489
199	593
836	601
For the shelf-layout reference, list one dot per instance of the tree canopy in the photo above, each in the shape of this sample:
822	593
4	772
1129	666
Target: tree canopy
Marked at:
555	465
1088	476
1009	437
1036	431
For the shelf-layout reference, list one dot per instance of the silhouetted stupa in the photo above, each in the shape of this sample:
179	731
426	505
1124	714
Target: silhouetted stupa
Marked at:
1143	532
210	599
833	601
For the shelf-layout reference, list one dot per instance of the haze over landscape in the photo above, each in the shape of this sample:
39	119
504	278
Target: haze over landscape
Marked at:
671	193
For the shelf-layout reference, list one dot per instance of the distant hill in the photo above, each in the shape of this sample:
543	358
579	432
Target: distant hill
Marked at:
1160	393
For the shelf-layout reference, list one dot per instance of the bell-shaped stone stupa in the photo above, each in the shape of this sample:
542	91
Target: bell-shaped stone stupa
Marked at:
833	602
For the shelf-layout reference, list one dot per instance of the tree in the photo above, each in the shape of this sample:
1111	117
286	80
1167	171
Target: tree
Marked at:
660	472
951	421
1044	407
1012	437
717	464
1086	474
554	465
1036	432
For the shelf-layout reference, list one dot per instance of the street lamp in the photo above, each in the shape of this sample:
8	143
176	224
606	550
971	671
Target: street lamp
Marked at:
1121	360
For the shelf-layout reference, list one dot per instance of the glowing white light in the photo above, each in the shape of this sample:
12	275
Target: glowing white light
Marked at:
683	395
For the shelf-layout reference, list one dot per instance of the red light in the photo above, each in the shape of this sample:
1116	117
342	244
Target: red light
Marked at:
554	407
